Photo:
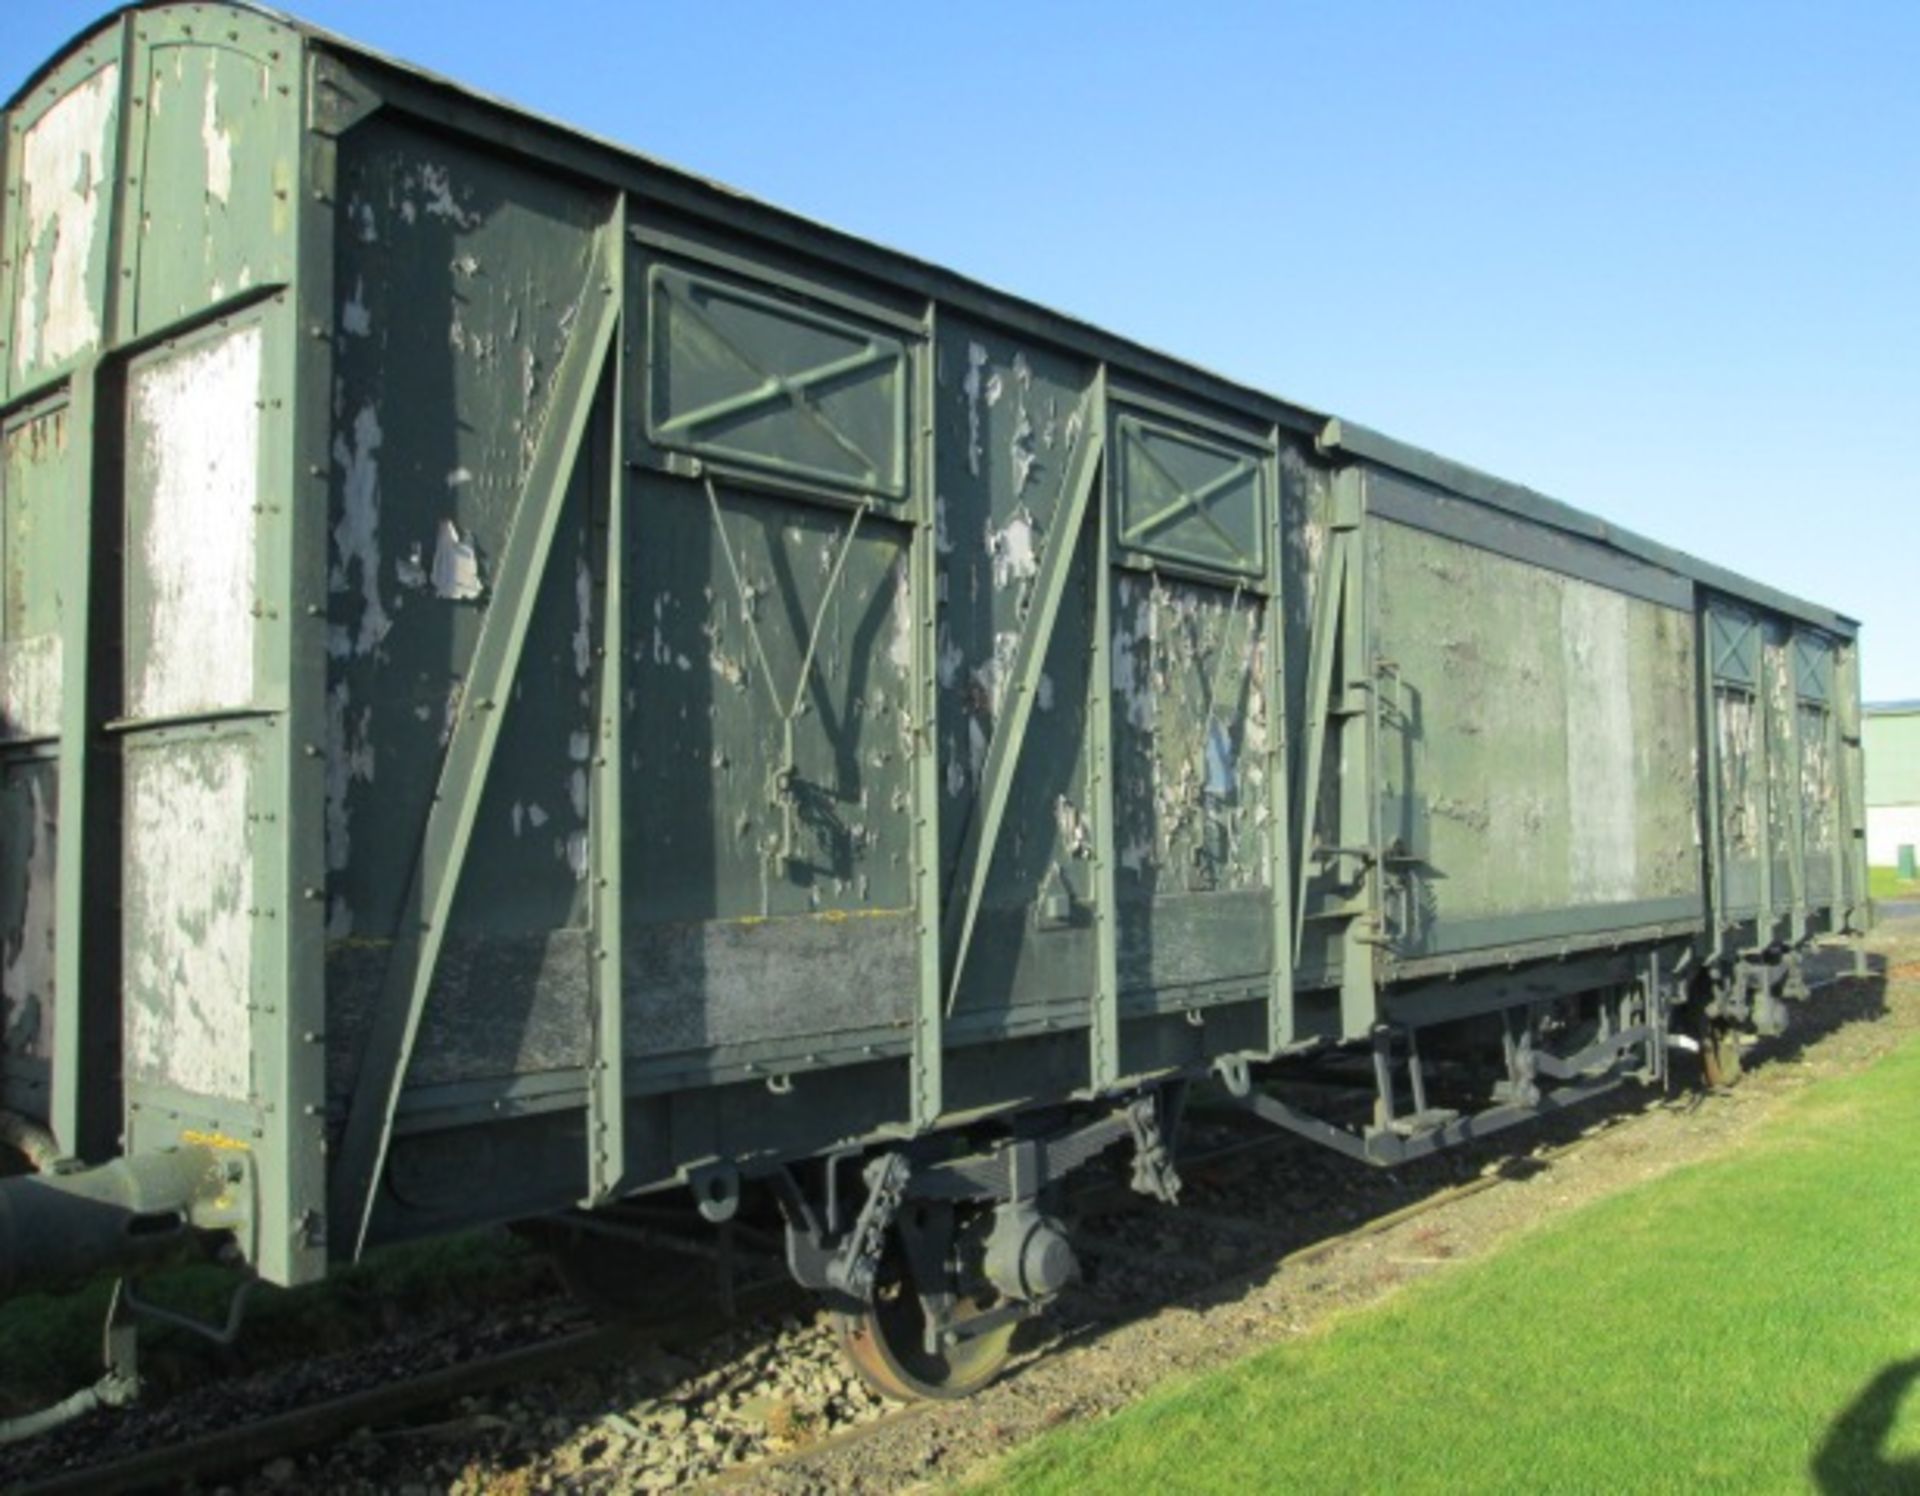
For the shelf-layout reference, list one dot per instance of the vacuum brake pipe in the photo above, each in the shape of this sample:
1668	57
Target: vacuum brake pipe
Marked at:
117	1217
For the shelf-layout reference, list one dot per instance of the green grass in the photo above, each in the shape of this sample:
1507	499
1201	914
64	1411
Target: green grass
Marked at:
1886	883
1750	1323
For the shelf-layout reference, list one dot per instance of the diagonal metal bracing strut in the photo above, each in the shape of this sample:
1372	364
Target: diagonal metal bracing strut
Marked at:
1328	604
463	774
1003	753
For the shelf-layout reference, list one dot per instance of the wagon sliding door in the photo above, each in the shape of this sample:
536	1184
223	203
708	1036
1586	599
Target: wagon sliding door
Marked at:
770	857
1536	744
1108	799
1781	821
1199	809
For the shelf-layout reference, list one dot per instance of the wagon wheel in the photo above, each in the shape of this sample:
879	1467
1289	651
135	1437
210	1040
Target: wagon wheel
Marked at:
886	1341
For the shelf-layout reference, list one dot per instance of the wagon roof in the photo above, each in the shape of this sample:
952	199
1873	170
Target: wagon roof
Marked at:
1330	433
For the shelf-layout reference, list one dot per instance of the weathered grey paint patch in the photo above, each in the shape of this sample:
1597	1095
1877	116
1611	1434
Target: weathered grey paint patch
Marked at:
1740	816
194	461
356	535
1013	549
696	985
1188	672
63	177
1817	786
27	936
1600	742
188	916
30	687
501	1005
350	758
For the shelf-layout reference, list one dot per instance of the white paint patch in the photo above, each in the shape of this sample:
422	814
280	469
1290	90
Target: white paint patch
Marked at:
456	565
1023	453
27	955
63	169
950	661
1075	839
355	320
194	431
1012	551
971	387
996	675
217	143
900	646
30	687
356	535
583	631
436	183
1602	847
188	920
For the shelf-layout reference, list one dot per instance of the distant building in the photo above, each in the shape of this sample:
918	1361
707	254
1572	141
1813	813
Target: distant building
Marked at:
1891	732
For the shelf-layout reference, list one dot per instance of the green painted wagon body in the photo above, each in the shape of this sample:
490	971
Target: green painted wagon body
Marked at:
528	677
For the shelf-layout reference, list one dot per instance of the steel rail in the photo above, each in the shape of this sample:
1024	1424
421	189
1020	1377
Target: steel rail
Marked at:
302	1428
298	1429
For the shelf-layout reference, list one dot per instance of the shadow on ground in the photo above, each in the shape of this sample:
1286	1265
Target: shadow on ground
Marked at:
1853	1457
1236	1223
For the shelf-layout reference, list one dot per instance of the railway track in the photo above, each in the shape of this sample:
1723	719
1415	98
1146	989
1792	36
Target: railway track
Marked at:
1221	1248
395	1405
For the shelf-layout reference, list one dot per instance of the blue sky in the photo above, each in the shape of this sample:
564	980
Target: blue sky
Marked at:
1660	260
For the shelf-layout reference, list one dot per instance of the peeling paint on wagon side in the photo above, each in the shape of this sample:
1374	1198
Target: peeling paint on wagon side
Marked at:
65	157
30	687
35	472
1600	738
189	916
217	140
1740	817
27	822
193	482
356	536
456	565
1189	673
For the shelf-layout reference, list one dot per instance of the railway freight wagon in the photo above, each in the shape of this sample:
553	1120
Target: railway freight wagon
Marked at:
530	679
